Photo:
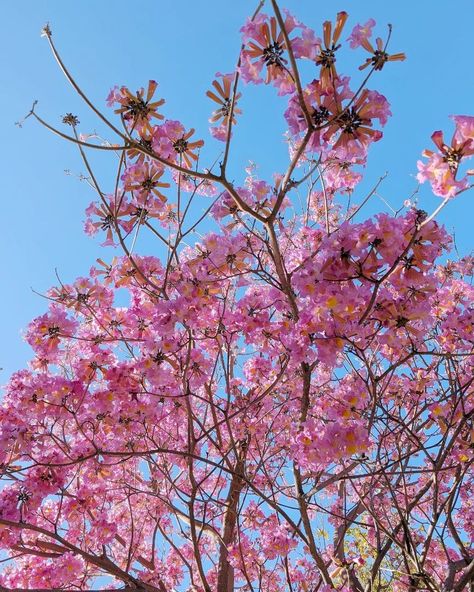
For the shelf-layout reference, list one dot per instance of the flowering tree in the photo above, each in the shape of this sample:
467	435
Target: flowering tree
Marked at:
286	404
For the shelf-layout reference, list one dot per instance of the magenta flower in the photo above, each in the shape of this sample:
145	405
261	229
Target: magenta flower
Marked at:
192	185
322	105
327	54
464	131
222	96
173	141
361	33
108	217
45	333
306	45
136	109
144	180
353	125
360	37
264	48
442	167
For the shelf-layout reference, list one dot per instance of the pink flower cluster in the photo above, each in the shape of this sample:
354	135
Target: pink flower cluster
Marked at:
282	390
442	166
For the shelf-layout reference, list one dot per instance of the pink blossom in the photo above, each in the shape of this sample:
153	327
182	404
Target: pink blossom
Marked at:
361	33
464	132
442	167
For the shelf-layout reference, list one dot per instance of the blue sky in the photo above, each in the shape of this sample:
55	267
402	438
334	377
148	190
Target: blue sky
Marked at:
181	45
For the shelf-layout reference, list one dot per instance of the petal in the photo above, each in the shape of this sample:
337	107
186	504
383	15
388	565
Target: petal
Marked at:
340	22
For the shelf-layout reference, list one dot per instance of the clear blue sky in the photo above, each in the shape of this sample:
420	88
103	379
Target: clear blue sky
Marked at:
182	44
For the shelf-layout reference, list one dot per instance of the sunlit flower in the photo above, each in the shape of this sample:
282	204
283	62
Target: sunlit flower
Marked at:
265	47
360	33
145	141
442	167
379	56
136	109
108	217
184	149
327	55
223	99
354	124
145	180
